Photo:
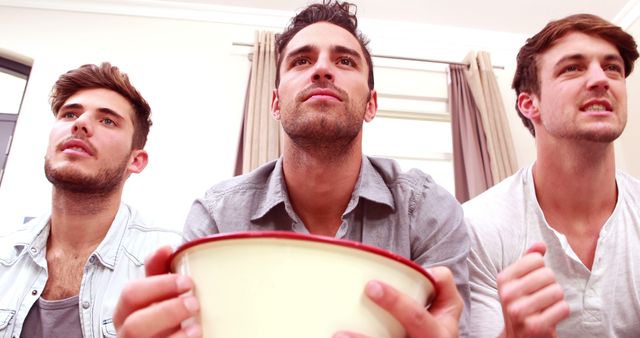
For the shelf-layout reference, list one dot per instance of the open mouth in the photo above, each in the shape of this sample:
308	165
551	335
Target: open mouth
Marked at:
597	106
76	146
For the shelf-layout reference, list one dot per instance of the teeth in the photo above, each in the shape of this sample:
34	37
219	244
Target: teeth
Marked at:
76	149
596	107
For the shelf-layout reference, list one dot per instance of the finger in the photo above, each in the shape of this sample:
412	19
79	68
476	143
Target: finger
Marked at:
412	316
158	262
523	266
160	317
536	303
141	293
448	301
347	334
193	331
544	324
526	285
539	247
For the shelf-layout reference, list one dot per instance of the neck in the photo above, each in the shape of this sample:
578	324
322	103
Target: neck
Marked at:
80	221
320	184
576	178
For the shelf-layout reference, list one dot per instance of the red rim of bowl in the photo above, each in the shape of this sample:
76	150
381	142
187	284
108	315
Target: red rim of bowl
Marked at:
306	237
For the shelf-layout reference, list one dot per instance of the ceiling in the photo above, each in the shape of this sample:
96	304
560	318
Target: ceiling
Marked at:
515	16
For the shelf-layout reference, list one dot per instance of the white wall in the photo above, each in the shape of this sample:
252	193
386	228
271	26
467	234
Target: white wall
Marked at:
194	80
627	145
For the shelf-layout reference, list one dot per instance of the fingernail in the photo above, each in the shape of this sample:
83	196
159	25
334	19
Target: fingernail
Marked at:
191	303
193	331
183	283
374	290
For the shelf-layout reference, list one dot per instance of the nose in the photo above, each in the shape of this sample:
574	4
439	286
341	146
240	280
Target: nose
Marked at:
83	125
323	69
598	79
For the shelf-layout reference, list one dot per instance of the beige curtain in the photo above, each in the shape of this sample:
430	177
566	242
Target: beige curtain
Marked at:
486	94
471	164
261	134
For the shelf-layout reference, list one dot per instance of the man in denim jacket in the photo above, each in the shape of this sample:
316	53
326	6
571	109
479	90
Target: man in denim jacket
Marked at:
61	274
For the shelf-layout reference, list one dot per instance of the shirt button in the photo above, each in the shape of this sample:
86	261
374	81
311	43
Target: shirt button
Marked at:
34	292
92	259
85	305
34	250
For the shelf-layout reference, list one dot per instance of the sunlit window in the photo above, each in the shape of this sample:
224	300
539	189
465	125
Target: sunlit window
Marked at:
413	124
13	83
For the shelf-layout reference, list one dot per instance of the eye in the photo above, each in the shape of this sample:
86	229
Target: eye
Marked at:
67	115
571	68
300	61
108	121
347	61
614	68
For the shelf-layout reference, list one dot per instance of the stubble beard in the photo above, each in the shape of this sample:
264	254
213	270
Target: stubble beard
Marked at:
324	128
606	134
103	183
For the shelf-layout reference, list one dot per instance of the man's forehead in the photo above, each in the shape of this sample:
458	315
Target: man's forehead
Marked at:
578	43
102	99
322	35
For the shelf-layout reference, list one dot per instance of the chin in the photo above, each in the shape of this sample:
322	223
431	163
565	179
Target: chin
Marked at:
607	135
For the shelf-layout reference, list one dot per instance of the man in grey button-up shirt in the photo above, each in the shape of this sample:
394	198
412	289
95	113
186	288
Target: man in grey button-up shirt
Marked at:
323	185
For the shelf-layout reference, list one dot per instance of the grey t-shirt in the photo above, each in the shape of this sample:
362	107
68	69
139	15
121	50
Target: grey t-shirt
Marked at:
53	319
403	212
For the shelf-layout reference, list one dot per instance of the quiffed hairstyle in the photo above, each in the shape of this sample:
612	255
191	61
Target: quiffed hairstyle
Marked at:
526	75
108	77
341	14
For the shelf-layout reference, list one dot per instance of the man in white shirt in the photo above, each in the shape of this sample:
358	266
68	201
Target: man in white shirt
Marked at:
61	274
555	247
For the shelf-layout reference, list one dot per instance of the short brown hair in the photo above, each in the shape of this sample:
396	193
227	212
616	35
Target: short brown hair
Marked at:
108	77
337	13
526	75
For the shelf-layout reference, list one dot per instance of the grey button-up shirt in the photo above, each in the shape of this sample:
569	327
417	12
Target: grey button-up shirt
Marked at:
406	213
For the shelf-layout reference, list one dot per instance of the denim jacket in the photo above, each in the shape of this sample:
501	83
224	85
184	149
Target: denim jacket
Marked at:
118	259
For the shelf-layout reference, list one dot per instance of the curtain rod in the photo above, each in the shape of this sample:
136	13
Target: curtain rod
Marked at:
393	57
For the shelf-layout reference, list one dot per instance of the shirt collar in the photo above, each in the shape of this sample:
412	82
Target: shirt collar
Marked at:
33	235
370	185
275	192
36	233
107	251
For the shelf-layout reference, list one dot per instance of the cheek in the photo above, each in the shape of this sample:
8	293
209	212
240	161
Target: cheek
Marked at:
55	137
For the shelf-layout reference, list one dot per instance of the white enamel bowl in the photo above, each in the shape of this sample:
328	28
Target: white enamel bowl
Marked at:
288	285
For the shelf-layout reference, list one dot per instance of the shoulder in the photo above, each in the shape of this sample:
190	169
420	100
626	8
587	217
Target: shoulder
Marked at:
504	201
143	236
498	223
431	209
257	179
628	182
11	242
413	183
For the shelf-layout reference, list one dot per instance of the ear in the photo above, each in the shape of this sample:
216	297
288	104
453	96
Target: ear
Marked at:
529	106
138	161
372	106
275	105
